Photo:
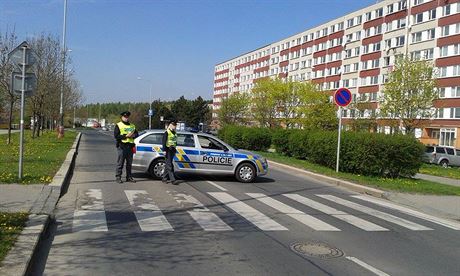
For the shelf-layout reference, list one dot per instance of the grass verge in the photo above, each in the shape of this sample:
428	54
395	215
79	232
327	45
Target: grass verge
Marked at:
43	157
436	170
11	225
406	185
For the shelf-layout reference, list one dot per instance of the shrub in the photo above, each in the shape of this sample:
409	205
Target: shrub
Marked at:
361	152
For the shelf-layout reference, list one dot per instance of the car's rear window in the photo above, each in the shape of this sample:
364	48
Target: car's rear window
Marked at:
154	138
440	150
429	149
458	152
450	151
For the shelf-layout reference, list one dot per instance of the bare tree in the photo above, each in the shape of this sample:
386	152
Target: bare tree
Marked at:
7	44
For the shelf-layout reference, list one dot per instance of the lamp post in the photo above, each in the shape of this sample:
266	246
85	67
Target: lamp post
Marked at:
150	101
64	52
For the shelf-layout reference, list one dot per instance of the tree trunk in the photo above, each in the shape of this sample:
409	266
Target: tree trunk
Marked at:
34	125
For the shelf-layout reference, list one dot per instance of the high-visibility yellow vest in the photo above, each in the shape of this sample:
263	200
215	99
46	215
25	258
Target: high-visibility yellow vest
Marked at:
172	139
125	129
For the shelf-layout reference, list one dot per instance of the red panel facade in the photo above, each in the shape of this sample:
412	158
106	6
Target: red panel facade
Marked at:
372	39
368	89
424	7
373	23
371	56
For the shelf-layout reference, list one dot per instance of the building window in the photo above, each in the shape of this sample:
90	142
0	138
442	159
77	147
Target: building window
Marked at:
400	40
447	137
402	5
390	9
368	16
416	37
418	2
432	14
379	13
401	23
386	61
455	113
446	10
419	18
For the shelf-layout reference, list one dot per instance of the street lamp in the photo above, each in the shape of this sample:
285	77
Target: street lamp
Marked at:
150	101
64	52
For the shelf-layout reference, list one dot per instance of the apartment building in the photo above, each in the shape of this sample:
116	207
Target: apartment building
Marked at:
358	51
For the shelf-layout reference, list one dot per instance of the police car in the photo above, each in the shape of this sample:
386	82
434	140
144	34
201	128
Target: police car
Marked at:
197	153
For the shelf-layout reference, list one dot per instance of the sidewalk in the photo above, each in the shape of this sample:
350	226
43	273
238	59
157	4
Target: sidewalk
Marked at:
438	179
18	197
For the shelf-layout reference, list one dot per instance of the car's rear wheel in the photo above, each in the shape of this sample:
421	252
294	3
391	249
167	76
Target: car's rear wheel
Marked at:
245	173
444	163
157	168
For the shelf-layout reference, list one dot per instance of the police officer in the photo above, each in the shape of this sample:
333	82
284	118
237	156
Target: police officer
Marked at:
169	147
124	133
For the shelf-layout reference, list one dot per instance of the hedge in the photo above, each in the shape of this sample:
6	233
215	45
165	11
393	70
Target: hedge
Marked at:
246	138
362	153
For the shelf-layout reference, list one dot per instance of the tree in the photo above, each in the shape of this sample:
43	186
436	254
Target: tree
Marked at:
315	111
7	44
264	104
234	109
409	93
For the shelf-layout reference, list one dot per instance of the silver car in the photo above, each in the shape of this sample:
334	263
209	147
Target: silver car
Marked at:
197	153
442	155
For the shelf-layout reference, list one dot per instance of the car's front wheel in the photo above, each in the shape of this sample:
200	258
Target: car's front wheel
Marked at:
444	163
157	168
246	173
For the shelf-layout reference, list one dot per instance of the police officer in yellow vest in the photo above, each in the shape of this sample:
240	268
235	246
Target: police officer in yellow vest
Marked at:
124	133
169	147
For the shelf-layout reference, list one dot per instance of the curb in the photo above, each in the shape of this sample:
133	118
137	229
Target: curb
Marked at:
337	182
19	259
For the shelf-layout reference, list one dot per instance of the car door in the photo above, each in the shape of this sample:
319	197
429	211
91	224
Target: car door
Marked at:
214	156
148	148
187	153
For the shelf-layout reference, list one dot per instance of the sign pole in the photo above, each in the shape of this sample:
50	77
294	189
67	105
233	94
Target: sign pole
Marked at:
23	90
338	140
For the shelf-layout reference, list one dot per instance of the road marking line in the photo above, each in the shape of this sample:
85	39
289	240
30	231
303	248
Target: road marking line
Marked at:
298	215
150	218
444	222
217	186
208	220
366	266
260	220
91	217
353	220
390	218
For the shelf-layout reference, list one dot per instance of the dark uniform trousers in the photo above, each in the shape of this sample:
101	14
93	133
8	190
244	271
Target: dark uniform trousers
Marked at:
169	172
125	153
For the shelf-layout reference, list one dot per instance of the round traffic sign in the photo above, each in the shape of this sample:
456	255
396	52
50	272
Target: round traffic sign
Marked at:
342	97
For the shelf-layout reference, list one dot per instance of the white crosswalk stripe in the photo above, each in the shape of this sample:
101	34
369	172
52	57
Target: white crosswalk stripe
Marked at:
300	216
444	222
353	220
148	215
260	220
201	214
382	215
91	216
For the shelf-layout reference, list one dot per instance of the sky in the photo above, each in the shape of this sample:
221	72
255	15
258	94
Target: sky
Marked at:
172	45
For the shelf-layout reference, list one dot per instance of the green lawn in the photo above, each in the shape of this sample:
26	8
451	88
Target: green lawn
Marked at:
453	172
11	225
400	185
43	157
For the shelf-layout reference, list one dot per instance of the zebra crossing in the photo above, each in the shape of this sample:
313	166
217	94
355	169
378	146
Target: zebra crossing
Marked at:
90	215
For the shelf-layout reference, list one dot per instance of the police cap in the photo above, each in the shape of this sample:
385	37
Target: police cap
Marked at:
173	122
125	113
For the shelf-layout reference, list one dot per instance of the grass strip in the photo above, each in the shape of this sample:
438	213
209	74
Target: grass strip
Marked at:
11	225
405	185
43	156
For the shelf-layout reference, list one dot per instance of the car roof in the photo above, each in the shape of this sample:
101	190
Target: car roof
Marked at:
178	132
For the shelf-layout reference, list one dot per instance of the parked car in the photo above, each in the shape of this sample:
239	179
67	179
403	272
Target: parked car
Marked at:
197	153
442	155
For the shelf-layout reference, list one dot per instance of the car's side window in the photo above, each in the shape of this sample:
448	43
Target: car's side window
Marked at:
154	138
429	149
185	140
209	143
458	152
450	151
440	150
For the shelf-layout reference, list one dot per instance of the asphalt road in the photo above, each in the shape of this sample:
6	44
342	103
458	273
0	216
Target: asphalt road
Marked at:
217	226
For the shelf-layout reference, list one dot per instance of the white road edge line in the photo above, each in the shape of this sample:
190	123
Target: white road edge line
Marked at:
366	266
217	186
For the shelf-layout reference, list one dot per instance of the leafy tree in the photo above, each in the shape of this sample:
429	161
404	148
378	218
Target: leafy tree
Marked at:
264	101
409	93
234	109
315	111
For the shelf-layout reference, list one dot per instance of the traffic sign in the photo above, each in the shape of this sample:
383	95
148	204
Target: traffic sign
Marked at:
17	57
150	112
342	97
30	83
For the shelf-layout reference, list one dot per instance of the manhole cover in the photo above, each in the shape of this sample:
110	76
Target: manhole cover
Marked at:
316	249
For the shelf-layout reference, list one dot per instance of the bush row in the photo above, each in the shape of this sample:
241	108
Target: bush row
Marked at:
361	153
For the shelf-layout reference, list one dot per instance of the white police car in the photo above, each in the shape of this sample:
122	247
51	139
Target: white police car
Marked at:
197	153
